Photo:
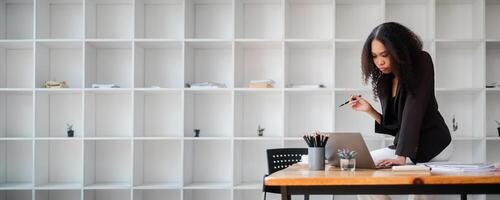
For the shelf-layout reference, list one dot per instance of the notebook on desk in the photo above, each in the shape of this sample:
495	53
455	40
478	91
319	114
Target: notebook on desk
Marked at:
353	141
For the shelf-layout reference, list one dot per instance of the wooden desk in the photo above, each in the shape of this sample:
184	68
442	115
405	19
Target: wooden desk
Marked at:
297	179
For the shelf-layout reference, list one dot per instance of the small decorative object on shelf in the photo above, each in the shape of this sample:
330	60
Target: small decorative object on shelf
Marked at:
455	124
55	84
493	85
267	83
70	131
347	159
95	85
261	131
498	127
196	132
316	151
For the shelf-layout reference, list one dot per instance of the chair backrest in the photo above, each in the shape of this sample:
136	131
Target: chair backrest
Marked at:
278	159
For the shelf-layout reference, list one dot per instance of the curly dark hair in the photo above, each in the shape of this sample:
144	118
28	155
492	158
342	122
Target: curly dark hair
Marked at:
403	46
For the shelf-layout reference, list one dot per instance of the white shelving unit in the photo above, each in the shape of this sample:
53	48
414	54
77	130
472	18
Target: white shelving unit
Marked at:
137	142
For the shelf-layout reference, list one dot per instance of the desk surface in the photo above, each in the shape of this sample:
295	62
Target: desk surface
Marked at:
299	175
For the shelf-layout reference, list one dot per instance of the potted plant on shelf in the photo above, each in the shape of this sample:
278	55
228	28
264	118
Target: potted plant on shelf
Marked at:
498	127
69	130
260	130
347	159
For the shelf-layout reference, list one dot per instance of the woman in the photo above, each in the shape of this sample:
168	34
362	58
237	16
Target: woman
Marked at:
402	78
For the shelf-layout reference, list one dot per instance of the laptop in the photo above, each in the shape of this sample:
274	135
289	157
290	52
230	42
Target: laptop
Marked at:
353	141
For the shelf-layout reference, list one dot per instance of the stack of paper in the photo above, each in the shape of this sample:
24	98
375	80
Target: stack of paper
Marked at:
267	83
411	168
208	85
461	167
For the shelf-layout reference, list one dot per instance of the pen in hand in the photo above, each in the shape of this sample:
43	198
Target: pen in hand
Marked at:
347	102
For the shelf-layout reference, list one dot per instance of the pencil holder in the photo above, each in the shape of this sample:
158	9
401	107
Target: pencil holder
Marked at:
316	158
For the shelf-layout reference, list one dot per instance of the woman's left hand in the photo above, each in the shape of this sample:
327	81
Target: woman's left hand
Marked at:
401	160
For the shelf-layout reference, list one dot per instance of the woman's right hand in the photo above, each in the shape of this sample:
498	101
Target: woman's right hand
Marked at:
359	104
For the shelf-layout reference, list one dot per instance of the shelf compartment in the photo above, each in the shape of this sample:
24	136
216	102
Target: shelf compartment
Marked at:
308	112
59	19
207	164
58	194
108	63
309	19
492	9
16	194
109	19
59	61
159	64
158	163
468	152
459	19
349	120
259	19
492	149
207	194
158	114
416	15
347	13
347	65
108	114
58	163
209	19
492	113
16	162
16	64
54	110
309	63
468	112
492	62
454	65
16	114
157	194
107	194
200	109
17	19
258	61
258	108
159	19
209	62
250	161
107	164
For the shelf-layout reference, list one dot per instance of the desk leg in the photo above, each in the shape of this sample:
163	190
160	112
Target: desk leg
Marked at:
463	196
284	193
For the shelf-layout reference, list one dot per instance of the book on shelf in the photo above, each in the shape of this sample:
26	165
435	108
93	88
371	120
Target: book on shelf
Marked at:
260	85
207	85
305	86
266	83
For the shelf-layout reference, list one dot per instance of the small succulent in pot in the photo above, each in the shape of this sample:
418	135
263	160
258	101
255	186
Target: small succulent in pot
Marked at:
347	159
260	130
498	127
69	130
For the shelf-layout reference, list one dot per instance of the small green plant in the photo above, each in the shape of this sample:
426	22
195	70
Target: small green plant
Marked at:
346	153
498	123
260	130
70	131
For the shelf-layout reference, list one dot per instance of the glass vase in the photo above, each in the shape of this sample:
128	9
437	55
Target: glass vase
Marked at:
347	164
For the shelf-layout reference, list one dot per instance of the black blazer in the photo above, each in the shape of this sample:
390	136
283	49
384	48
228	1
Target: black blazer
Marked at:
422	132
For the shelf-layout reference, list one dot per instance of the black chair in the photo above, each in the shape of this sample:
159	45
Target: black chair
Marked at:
278	159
